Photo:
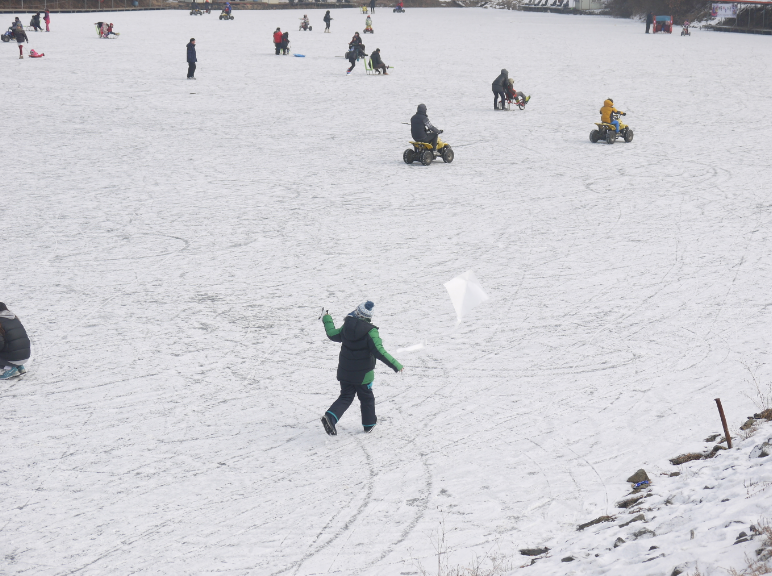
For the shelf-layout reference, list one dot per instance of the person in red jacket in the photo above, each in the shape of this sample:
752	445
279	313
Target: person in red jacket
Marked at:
47	20
277	40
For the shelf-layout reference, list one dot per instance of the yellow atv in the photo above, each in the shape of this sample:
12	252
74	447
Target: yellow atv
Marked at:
607	132
423	152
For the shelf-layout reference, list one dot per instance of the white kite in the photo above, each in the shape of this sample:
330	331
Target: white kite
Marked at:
465	293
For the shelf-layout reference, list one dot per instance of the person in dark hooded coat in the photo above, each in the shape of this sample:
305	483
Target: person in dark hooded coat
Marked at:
14	344
421	129
361	345
499	88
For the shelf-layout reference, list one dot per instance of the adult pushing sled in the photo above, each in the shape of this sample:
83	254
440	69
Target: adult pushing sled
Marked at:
360	347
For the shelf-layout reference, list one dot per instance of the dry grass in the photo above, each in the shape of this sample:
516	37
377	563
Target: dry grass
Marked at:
684	458
762	392
491	564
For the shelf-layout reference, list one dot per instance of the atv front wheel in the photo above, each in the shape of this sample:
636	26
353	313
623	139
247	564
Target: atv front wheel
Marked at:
628	135
594	136
447	155
408	156
427	157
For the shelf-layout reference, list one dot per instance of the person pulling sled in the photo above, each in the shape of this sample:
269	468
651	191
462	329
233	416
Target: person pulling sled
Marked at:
361	346
499	87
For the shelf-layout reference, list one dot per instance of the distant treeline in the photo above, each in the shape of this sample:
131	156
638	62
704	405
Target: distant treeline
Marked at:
680	10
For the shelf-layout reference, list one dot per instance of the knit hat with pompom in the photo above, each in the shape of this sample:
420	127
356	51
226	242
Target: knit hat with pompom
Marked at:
364	311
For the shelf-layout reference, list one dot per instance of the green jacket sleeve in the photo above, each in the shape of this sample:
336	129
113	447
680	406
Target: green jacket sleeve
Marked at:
380	352
333	333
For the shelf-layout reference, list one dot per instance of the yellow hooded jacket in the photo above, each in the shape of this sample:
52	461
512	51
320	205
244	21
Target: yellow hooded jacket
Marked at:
605	112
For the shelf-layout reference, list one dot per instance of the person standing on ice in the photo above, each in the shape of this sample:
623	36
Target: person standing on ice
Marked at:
191	46
422	130
499	88
649	21
372	6
360	347
327	18
14	345
47	20
277	38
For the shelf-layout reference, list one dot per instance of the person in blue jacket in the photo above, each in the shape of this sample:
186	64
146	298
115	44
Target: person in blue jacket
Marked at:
360	347
192	59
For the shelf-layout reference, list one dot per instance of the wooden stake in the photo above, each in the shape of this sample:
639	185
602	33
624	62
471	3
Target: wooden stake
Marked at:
723	423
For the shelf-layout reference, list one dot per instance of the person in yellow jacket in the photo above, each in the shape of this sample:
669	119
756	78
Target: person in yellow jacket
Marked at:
605	113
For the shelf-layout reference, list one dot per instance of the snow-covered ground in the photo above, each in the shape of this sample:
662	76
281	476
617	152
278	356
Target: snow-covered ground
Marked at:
168	244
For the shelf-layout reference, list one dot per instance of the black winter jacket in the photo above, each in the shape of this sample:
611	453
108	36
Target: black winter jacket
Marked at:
375	58
500	83
420	127
14	342
21	35
191	52
361	345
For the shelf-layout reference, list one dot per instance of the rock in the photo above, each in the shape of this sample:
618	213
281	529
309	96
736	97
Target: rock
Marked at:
567	559
712	438
629	502
598	520
653	548
741	540
638	518
764	415
725	500
534	551
716	449
741	537
684	458
676	571
639	476
762	450
618	542
674	474
643	533
749	423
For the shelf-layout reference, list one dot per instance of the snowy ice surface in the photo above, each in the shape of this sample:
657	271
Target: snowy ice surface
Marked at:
168	244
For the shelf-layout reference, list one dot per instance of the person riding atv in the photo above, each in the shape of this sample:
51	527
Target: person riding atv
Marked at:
607	110
305	23
421	128
426	143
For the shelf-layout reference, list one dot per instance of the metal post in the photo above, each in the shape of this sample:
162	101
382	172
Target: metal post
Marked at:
723	423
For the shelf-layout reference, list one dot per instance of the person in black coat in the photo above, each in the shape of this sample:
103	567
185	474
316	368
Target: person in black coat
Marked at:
378	65
327	18
372	6
191	46
361	346
14	344
285	43
499	88
35	22
649	21
421	129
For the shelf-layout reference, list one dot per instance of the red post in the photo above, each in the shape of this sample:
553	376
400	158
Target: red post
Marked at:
723	423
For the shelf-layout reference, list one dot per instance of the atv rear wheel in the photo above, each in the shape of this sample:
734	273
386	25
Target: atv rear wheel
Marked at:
408	156
629	135
447	155
427	157
611	137
594	136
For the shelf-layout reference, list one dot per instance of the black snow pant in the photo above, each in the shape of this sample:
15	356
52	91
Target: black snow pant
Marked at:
431	139
366	403
499	94
278	47
648	25
191	69
353	63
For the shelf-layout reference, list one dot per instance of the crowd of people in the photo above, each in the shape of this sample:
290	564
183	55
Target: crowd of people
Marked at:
17	32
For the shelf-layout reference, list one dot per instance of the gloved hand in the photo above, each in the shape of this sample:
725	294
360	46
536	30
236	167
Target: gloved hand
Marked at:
440	131
624	113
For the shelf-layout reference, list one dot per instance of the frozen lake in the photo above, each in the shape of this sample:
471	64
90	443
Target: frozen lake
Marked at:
168	245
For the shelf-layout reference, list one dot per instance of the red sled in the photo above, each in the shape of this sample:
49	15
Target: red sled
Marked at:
33	54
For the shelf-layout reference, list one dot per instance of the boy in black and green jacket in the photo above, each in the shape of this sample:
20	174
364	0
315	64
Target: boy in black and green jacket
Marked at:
361	345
